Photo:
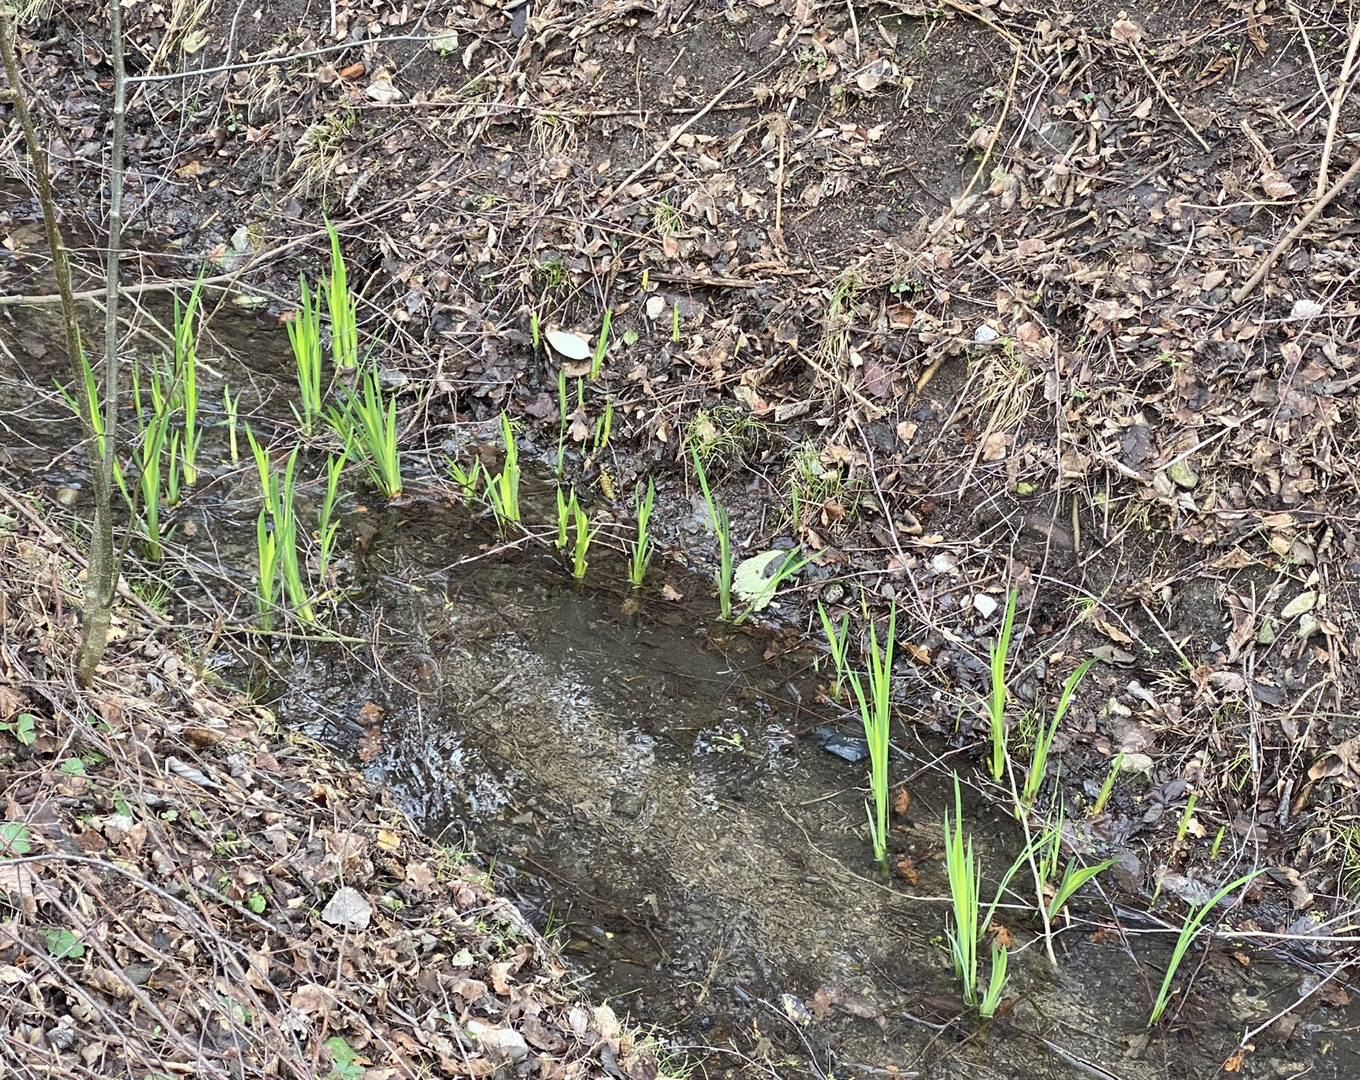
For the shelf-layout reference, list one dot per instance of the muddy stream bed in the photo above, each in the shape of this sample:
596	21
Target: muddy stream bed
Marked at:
679	811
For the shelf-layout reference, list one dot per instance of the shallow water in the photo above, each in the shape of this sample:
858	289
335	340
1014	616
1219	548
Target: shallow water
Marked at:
648	783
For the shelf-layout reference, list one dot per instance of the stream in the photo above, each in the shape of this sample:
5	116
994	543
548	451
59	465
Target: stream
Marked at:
670	797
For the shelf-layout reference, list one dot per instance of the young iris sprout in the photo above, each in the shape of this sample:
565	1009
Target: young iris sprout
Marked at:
1189	930
185	375
232	405
304	335
601	347
152	437
369	421
466	480
1043	743
875	710
584	536
566	514
643	547
603	425
970	927
996	704
561	420
838	642
1107	788
503	490
280	498
340	305
717	516
326	525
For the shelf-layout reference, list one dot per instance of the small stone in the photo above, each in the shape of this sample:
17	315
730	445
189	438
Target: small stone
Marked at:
1182	475
1266	635
985	335
1308	625
984	605
67	496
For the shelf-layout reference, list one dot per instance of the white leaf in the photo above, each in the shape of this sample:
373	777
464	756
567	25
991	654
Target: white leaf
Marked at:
572	346
1301	603
752	580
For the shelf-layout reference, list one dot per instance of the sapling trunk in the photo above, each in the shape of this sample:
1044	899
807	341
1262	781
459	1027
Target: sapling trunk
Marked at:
101	575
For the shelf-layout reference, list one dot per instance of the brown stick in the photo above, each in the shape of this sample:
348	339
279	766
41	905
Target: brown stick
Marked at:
1336	107
1293	234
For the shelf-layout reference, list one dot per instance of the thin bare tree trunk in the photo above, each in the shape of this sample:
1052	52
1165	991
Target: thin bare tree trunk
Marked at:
100	579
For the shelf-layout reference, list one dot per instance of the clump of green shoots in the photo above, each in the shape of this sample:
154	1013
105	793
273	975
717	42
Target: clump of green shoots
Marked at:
151	440
503	489
279	558
304	335
875	710
717	516
344	314
838	642
603	425
185	376
466	480
1189	930
369	420
970	927
585	535
643	546
996	703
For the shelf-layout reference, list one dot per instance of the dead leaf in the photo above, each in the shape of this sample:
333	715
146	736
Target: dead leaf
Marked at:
381	90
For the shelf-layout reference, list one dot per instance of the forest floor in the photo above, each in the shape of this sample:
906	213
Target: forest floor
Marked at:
964	298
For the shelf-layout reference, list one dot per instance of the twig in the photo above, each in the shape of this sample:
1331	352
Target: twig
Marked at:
1167	98
1264	268
670	141
1336	108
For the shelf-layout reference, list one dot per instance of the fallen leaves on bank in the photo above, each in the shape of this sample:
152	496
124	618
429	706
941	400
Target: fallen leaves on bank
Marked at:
187	891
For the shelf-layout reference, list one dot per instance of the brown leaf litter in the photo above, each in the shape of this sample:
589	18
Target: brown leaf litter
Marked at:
186	890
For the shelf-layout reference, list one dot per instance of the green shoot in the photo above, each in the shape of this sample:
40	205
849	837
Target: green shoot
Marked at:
468	480
566	514
717	516
996	705
584	536
172	472
1185	817
996	982
838	642
601	347
503	490
151	442
675	322
1074	877
603	425
1218	842
185	373
267	550
304	335
643	547
232	405
371	421
279	491
875	710
533	329
1038	762
1189	930
1107	788
326	525
340	305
